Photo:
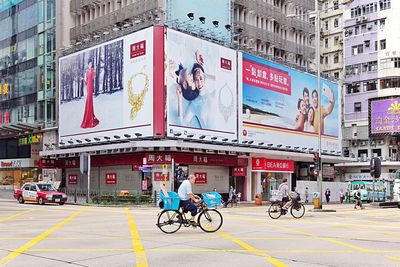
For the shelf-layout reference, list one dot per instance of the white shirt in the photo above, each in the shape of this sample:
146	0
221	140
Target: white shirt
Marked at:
185	190
283	189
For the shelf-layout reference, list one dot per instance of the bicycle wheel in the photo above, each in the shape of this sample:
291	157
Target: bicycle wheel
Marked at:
275	211
297	210
169	221
210	220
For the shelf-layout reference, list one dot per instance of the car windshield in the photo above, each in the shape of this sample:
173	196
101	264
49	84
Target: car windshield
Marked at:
46	187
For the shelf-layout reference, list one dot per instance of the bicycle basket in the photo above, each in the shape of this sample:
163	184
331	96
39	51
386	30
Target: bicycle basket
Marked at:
212	199
171	202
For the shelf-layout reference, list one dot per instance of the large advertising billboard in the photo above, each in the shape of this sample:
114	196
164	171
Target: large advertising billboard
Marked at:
201	16
107	90
201	88
384	116
279	106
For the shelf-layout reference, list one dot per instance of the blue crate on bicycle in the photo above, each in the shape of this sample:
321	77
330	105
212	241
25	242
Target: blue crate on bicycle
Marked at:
171	202
212	199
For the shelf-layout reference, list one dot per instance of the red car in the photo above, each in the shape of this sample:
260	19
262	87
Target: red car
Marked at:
39	192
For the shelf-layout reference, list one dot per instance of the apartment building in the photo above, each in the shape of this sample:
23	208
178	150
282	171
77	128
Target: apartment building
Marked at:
372	74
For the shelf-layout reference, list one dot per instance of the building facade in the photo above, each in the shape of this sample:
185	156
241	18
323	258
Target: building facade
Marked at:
27	86
372	72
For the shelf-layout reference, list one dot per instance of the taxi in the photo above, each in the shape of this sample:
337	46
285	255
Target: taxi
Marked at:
39	192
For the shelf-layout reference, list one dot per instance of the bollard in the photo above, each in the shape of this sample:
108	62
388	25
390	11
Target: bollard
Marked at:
75	195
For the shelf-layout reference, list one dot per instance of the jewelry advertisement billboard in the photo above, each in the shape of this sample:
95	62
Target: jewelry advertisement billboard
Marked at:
107	90
384	116
280	107
201	89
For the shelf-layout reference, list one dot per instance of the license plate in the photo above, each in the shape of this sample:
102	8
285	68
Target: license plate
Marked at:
57	200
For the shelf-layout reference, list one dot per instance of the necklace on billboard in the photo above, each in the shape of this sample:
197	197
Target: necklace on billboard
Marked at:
226	110
136	99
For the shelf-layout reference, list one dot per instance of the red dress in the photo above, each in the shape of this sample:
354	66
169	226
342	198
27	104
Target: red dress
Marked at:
89	119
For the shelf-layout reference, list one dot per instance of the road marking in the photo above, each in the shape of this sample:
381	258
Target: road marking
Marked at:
392	258
80	249
141	259
251	249
37	239
15	215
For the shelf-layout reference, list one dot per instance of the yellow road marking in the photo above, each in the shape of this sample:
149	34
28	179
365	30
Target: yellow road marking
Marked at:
141	260
15	215
36	240
251	249
80	249
392	258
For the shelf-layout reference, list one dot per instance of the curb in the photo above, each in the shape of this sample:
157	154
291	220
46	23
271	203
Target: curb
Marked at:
321	210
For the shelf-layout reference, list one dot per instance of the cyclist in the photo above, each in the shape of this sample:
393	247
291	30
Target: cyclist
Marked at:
187	196
284	193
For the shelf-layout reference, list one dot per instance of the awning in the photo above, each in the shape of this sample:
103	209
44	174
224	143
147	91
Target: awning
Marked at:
17	128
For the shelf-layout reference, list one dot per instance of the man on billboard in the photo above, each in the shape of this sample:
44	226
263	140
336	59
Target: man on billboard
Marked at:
325	111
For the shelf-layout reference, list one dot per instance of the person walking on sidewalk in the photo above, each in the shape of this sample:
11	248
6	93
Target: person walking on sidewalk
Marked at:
341	196
357	197
328	195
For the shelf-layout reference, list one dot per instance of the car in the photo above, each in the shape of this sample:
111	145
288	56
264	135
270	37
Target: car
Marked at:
39	192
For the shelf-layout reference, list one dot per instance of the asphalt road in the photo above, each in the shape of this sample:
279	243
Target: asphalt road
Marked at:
52	235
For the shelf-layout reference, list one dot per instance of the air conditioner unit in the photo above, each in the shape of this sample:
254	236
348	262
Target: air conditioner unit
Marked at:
358	20
381	142
369	27
363	143
364	18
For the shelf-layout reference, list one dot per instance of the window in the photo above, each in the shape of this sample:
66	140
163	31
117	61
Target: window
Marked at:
371	85
336	23
357	49
335	5
326	60
390	83
364	28
326	25
336	75
377	152
384	4
382	44
357	30
336	58
326	42
357	106
382	23
336	40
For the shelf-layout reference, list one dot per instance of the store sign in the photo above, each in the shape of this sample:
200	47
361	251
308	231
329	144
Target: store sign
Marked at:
194	159
47	163
72	179
384	116
272	165
239	171
201	177
328	171
30	139
158	158
4	118
160	177
111	178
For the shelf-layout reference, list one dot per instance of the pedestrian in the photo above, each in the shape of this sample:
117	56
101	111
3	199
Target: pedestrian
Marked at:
306	193
234	198
357	197
230	194
341	196
328	195
239	196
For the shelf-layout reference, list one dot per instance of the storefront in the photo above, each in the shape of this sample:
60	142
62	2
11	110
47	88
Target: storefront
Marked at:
15	172
268	174
146	172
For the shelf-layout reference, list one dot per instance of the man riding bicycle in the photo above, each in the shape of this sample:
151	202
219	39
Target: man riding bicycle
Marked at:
186	195
285	193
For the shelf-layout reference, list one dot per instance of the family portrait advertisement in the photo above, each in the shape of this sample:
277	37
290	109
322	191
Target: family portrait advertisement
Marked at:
286	99
201	84
90	81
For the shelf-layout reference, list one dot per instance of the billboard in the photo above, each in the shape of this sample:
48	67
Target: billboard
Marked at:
178	14
201	88
280	106
107	90
384	116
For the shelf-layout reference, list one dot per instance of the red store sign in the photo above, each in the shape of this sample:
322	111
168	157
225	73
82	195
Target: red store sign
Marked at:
201	177
272	165
138	49
72	179
266	77
239	171
111	178
159	177
194	159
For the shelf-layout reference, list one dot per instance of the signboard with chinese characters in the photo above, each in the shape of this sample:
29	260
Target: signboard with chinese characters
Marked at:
159	177
280	105
194	159
201	177
30	139
384	116
73	179
111	178
239	171
272	165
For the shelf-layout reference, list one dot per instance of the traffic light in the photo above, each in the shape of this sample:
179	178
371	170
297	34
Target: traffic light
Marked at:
316	161
375	167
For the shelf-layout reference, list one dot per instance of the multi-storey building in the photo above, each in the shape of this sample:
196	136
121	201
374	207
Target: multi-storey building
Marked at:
27	86
332	38
372	70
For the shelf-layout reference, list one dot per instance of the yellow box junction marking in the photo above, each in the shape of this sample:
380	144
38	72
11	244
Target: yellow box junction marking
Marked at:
141	259
15	215
37	239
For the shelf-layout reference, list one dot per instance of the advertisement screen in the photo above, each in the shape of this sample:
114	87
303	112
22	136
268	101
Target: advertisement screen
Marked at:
280	106
384	116
186	15
107	90
201	84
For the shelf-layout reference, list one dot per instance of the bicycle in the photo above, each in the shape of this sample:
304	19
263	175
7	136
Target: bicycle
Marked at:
173	217
276	210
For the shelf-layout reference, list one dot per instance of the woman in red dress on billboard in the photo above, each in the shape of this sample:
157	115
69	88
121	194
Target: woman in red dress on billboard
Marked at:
89	119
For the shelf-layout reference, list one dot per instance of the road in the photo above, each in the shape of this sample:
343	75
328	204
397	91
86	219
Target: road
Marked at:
51	235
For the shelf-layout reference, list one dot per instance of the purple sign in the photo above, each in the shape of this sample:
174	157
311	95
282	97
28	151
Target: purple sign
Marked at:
385	116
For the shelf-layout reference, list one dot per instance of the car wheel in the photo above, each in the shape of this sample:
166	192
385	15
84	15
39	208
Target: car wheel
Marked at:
41	201
20	199
61	203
